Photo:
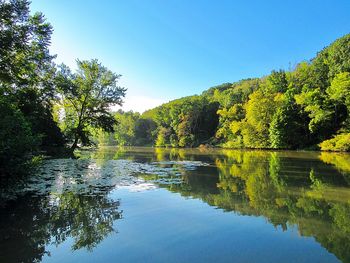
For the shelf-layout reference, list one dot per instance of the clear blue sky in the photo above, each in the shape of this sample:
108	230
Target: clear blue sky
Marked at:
167	49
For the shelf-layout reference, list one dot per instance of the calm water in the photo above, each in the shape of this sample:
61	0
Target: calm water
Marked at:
157	205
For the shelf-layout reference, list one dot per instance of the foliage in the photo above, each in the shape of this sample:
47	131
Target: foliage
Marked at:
289	124
26	86
124	133
132	129
259	112
340	142
185	122
163	137
296	109
17	143
33	89
307	107
86	98
277	81
26	68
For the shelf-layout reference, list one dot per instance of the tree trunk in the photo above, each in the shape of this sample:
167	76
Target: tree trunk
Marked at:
76	135
75	144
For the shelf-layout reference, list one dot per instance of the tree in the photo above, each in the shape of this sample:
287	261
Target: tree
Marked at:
163	137
259	112
26	86
289	124
27	70
339	92
145	131
24	38
334	59
227	118
87	96
277	81
16	140
124	132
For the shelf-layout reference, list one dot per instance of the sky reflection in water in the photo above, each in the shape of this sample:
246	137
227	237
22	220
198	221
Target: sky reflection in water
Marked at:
171	205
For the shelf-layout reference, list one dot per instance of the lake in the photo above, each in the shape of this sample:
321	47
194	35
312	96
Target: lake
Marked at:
180	205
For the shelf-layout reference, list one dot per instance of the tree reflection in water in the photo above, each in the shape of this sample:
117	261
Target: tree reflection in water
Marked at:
32	222
289	189
307	191
29	224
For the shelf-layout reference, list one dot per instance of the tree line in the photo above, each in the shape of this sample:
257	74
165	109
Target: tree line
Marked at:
304	108
44	106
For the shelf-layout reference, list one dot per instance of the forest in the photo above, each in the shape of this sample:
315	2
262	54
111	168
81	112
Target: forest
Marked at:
48	109
304	108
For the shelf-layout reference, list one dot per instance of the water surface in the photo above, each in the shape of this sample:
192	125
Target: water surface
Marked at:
181	205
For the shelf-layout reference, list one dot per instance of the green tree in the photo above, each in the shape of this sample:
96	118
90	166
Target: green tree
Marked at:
124	132
26	68
17	143
163	137
326	113
87	96
323	120
259	113
228	120
333	59
289	124
185	122
145	131
277	81
339	91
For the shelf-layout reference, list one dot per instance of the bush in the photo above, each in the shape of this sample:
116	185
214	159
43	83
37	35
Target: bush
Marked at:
16	140
340	143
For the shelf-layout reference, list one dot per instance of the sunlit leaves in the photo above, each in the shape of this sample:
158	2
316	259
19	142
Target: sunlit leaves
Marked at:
87	96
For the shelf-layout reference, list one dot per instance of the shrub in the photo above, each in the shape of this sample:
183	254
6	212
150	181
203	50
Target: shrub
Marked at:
340	143
16	140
